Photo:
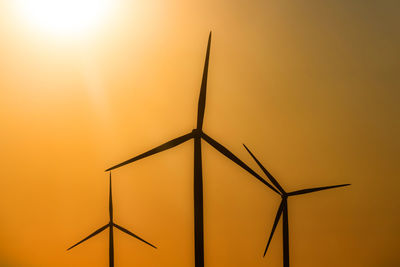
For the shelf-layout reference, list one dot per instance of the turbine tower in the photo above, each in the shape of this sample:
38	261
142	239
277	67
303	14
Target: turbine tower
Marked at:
198	135
111	225
283	208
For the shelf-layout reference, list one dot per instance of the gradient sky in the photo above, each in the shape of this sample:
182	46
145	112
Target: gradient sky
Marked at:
312	88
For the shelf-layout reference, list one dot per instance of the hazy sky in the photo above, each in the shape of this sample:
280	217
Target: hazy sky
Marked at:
311	87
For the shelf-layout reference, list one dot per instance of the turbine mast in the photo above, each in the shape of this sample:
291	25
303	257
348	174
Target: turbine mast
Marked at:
198	205
111	239
111	246
285	226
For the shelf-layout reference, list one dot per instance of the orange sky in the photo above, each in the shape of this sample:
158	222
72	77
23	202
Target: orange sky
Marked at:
312	89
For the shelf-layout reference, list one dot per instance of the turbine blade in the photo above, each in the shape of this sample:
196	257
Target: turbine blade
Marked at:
110	202
132	234
277	217
235	159
269	175
165	146
310	190
91	235
203	89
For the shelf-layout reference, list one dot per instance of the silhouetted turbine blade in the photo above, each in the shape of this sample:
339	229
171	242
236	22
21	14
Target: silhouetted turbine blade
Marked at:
310	190
203	89
132	234
91	235
165	146
235	159
110	203
277	217
269	175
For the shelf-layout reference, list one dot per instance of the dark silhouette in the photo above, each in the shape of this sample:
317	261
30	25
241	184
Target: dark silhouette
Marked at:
283	209
198	134
111	225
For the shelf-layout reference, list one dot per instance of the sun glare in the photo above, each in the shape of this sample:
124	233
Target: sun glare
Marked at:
64	17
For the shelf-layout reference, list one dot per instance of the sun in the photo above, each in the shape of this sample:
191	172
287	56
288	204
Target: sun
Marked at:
64	17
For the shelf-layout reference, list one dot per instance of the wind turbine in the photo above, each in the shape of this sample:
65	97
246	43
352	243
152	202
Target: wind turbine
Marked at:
198	134
111	225
283	208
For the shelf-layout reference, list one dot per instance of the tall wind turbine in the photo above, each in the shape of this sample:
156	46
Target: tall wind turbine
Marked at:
198	134
283	208
111	225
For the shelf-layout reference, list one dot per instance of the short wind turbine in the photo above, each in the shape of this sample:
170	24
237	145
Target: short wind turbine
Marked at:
198	134
111	225
283	208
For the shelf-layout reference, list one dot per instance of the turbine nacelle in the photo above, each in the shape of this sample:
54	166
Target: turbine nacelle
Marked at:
197	133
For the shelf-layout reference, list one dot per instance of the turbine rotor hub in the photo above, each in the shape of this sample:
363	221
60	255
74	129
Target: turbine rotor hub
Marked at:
197	132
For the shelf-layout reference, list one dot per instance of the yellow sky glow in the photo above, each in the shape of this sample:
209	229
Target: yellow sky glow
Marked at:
64	17
311	88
